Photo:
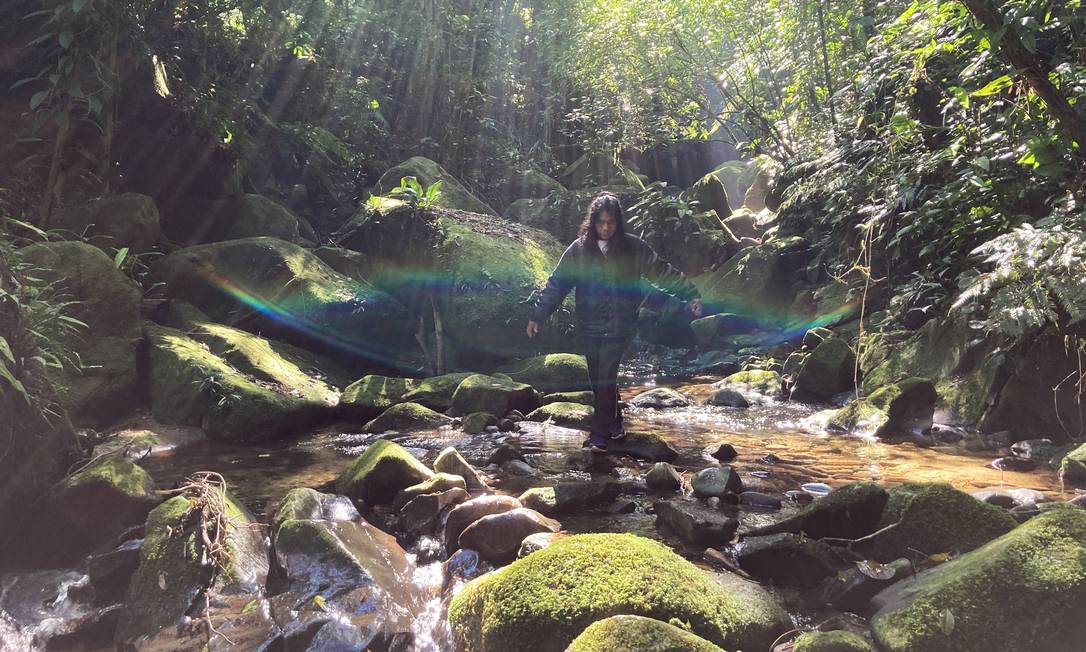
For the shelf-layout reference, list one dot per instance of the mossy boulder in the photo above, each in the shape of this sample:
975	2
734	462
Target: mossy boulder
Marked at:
710	194
545	600
644	445
1073	466
835	641
848	512
575	415
533	184
436	392
351	264
554	372
755	277
380	472
427	172
1025	590
638	634
405	417
108	302
566	497
592	169
284	291
936	518
303	503
257	395
753	380
585	397
893	412
371	395
128	220
477	422
560	213
482	393
234	218
829	370
171	580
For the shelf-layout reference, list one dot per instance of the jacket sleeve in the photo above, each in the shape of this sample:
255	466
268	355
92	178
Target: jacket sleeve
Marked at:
561	281
665	276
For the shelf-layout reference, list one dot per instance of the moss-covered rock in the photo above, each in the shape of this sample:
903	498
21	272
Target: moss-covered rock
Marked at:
128	220
849	512
543	601
936	518
452	462
477	422
638	634
233	218
108	302
829	370
753	278
1073	466
437	483
380	472
591	170
576	415
561	213
584	398
371	395
307	504
835	641
191	385
753	380
427	172
644	445
405	417
566	497
893	412
1025	590
710	194
436	392
533	184
554	372
481	393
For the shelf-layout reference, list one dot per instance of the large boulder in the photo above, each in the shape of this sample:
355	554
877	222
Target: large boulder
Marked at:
710	195
829	370
280	289
561	213
545	600
1073	467
404	417
371	395
591	170
563	413
497	537
893	412
453	193
757	276
108	303
498	396
234	218
250	392
849	512
553	372
695	523
566	497
127	220
636	634
473	272
436	392
1035	573
533	184
380	472
787	559
471	511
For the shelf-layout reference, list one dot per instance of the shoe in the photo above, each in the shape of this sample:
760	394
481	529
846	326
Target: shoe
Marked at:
595	443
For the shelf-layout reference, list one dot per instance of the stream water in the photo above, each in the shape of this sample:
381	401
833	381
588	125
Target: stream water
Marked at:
778	451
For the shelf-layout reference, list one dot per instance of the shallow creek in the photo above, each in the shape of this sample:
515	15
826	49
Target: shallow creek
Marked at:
779	450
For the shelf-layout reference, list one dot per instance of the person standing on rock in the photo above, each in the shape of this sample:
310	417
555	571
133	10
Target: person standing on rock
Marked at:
610	269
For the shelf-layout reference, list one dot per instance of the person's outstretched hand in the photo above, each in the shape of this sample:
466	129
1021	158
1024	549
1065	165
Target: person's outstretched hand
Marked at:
533	328
697	308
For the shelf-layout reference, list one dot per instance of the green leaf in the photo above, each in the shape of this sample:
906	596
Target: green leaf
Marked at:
946	621
37	99
995	86
14	382
66	37
5	350
118	259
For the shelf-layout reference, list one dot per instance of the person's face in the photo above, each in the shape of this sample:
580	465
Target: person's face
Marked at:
606	225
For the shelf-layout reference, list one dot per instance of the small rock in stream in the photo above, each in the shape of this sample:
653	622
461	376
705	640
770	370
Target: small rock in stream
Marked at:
759	500
725	453
663	477
716	481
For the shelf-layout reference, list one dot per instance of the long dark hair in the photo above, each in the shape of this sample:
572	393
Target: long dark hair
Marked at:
604	202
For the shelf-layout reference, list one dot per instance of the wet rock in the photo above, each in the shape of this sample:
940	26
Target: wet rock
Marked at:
834	641
566	497
896	412
641	577
799	497
554	372
1041	451
405	417
477	422
663	477
371	395
853	588
584	398
947	434
505	452
435	392
787	559
480	393
645	446
538	541
728	398
849	512
463	566
507	425
437	483
695	523
815	336
936	518
575	415
1036	572
716	481
710	330
377	475
635	634
758	500
497	537
110	572
725	453
311	505
1013	463
519	468
661	397
757	381
622	506
827	371
470	511
421	514
1073	467
995	497
592	461
89	510
450	461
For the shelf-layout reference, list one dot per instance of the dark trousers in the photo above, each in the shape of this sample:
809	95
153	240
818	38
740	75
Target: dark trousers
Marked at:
603	355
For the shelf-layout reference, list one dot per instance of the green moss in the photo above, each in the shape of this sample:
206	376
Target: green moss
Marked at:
563	413
836	641
638	634
541	499
299	503
1073	466
477	422
584	398
937	518
314	537
439	483
380	472
371	395
543	601
481	393
765	382
555	372
428	172
1025	590
117	472
403	417
436	392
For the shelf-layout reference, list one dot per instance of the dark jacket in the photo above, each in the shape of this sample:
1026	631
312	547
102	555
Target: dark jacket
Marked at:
610	287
